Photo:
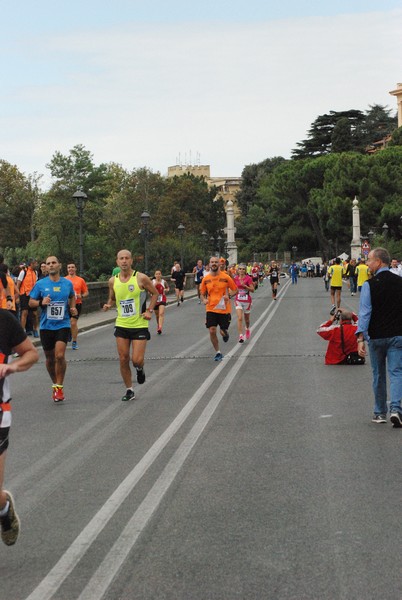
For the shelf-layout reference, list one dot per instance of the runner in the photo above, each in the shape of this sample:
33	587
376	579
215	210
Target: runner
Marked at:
128	289
255	274
81	291
243	300
162	287
12	339
273	274
215	294
179	277
55	294
27	278
336	273
198	273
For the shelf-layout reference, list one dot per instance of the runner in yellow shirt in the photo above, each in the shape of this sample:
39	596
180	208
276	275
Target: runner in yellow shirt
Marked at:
336	273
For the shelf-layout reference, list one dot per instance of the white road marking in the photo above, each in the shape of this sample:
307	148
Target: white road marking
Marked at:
112	563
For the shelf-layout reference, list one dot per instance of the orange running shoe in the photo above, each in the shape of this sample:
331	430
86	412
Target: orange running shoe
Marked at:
58	394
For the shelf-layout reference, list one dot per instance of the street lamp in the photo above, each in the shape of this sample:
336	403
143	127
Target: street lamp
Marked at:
385	231
145	218
219	240
205	244
294	250
80	198
180	230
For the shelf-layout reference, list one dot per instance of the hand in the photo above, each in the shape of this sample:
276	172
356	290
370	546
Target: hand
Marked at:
361	349
147	315
46	300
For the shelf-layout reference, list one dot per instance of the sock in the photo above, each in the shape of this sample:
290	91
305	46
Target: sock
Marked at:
4	510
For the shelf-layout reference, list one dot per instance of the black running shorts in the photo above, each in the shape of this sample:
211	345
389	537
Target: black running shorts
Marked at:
132	333
49	337
214	319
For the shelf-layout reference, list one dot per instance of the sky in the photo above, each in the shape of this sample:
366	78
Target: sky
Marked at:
157	83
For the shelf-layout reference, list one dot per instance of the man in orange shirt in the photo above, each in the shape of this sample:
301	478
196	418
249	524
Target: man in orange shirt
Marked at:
25	283
215	294
81	291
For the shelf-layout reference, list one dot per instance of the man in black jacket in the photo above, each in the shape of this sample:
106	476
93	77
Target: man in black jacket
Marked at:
380	323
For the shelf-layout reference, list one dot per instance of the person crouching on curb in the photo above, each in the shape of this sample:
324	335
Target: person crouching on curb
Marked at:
339	349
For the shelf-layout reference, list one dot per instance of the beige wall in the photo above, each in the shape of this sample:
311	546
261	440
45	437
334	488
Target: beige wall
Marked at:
398	94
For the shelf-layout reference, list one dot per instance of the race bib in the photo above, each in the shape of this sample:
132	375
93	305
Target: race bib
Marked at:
159	298
243	296
55	311
127	308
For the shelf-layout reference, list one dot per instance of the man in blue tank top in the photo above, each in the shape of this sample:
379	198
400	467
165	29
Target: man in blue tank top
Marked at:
55	294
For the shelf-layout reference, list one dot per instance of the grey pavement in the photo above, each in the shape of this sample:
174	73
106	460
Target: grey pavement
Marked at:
261	477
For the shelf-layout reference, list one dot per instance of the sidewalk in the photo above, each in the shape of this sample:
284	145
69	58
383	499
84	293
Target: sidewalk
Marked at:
100	317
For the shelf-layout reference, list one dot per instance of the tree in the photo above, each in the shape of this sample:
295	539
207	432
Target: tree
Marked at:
250	180
319	140
18	200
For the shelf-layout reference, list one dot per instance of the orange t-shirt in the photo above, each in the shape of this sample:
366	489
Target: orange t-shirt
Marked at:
80	287
11	287
216	287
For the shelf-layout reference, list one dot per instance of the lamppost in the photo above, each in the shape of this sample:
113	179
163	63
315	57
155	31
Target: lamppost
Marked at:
385	231
180	230
219	240
205	244
294	250
80	198
145	218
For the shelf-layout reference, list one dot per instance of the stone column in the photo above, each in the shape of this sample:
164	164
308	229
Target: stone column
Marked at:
398	94
356	246
230	231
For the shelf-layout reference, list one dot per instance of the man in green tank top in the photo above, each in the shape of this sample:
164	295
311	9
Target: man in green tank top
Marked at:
129	289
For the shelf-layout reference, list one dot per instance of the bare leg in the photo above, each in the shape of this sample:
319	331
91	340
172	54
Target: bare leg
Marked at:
123	349
214	338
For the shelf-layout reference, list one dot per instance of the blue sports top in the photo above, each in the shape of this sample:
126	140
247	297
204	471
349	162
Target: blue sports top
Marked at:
55	315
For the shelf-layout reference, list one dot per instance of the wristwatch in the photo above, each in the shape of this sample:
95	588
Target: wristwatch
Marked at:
151	310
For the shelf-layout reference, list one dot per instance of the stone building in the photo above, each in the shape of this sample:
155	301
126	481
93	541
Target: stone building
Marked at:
227	187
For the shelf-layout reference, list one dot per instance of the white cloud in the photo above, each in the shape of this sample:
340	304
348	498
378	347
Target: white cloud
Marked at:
235	93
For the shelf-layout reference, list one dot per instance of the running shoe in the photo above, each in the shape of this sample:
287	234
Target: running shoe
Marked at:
129	395
248	334
225	336
178	304
9	523
333	310
140	375
58	394
159	330
218	356
182	299
379	419
396	419
241	339
74	346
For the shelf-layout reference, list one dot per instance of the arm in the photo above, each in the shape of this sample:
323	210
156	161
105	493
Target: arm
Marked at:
326	329
71	305
147	284
28	357
84	290
112	298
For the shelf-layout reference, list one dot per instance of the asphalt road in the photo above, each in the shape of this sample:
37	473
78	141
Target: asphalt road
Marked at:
261	477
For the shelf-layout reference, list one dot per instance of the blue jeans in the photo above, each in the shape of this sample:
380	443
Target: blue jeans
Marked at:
386	354
353	285
294	278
